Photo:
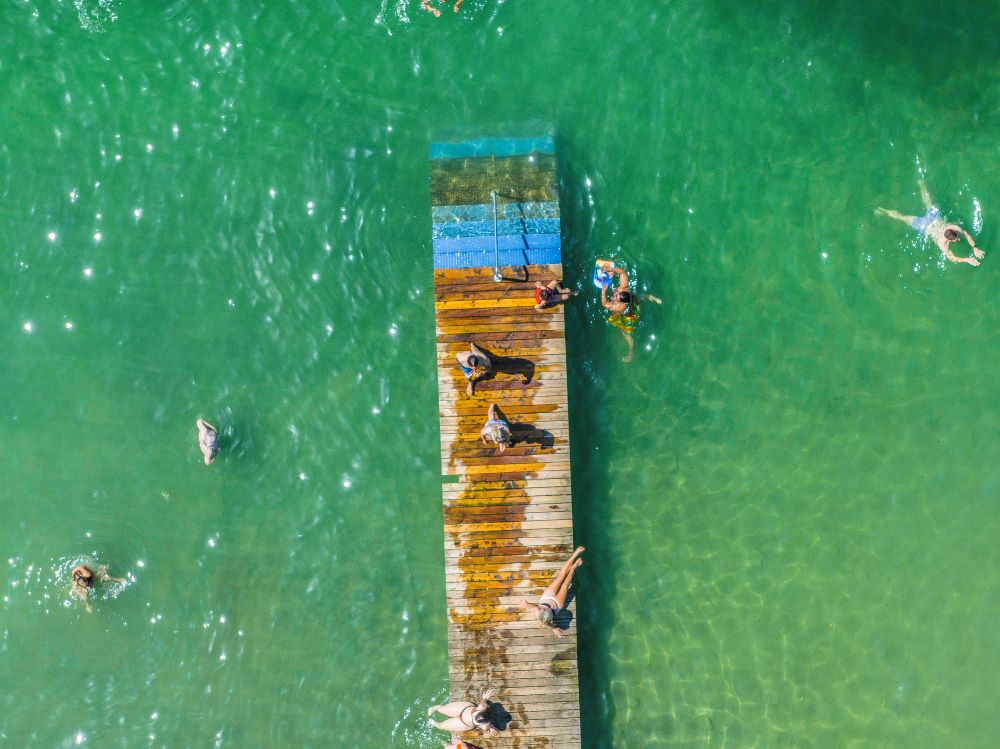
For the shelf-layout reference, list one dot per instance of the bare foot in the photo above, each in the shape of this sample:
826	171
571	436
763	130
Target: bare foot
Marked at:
881	212
432	709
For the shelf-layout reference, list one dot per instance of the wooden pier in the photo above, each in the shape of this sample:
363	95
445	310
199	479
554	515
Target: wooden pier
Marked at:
508	519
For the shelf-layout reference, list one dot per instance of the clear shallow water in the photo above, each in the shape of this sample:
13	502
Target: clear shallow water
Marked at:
788	498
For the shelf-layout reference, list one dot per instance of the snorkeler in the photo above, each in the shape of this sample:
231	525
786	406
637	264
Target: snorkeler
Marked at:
425	4
475	365
465	716
551	293
496	429
553	598
934	226
84	578
208	440
621	302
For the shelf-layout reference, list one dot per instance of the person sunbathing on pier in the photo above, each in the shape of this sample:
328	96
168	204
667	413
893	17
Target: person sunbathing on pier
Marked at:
620	302
553	598
550	294
465	716
475	366
933	225
496	429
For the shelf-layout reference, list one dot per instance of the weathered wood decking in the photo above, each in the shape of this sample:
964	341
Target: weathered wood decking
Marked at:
508	519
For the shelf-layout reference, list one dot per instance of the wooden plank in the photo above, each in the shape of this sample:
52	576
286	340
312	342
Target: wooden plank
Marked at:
508	521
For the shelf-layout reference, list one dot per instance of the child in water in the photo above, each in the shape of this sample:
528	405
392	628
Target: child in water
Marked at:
84	577
621	302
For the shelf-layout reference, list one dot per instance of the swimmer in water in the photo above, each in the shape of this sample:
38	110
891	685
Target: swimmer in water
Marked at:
465	716
496	429
623	305
84	578
553	598
933	225
475	365
551	294
208	440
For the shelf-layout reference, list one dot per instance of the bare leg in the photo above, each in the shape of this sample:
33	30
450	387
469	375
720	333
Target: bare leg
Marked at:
908	220
452	709
452	725
560	596
925	195
650	297
628	340
567	568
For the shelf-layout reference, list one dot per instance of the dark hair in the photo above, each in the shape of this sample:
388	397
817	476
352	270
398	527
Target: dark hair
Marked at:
545	293
473	361
624	297
951	234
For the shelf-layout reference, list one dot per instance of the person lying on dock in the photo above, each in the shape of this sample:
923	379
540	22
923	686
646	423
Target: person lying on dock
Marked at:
475	366
553	598
208	440
622	303
550	294
934	225
465	716
84	578
496	429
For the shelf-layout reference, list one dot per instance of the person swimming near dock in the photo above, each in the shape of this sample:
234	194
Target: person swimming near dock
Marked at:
622	303
475	366
550	294
935	226
553	598
465	716
496	429
84	578
208	440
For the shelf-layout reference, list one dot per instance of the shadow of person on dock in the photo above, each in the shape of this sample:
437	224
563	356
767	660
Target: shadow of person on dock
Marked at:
507	365
523	433
500	718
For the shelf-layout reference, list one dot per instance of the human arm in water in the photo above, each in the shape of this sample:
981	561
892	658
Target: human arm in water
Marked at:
944	244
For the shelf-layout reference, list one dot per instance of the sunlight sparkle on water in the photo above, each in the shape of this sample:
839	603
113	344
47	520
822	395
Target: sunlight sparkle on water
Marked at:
69	324
28	326
88	272
347	483
52	236
97	236
137	213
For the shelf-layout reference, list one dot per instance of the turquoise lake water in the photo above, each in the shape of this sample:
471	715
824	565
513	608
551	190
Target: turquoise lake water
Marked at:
221	210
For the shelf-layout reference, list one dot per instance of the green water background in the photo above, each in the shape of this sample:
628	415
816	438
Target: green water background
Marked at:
788	498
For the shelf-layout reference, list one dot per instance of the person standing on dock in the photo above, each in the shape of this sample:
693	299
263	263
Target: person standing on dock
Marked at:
934	225
550	294
553	598
620	302
496	429
475	366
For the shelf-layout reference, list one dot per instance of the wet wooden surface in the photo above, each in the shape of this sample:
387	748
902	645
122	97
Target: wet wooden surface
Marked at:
508	519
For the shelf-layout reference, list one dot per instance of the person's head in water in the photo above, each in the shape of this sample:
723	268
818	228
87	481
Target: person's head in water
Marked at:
544	616
83	577
624	297
951	235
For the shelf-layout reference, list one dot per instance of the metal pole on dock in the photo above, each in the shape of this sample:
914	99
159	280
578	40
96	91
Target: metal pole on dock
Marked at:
496	245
